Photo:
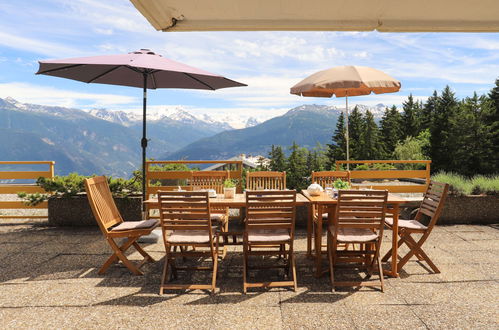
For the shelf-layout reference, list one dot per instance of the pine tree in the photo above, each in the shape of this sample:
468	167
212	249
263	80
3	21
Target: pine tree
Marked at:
297	171
317	160
409	119
391	132
277	159
444	133
472	145
491	122
428	112
355	126
337	149
370	146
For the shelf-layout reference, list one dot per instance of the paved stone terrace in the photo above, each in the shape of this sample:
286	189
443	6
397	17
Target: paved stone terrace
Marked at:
48	279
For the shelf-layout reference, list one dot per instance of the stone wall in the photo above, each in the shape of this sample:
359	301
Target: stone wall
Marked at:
76	211
472	209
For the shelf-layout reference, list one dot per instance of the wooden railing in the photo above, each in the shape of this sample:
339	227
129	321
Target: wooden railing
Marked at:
173	179
377	175
9	186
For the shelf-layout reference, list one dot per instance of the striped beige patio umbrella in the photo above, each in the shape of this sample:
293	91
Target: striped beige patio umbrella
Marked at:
345	81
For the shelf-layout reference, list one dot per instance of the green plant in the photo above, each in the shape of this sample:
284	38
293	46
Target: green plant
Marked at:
362	167
340	184
230	183
73	184
460	185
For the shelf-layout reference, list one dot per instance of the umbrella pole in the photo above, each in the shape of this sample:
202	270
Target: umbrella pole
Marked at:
347	135
143	142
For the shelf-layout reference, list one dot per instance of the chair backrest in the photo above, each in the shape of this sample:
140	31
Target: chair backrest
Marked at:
361	209
328	177
185	210
102	203
209	180
433	202
265	180
270	210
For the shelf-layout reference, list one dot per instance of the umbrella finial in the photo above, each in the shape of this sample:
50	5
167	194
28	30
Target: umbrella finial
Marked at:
144	51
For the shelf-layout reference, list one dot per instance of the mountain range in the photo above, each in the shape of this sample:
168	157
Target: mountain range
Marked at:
107	142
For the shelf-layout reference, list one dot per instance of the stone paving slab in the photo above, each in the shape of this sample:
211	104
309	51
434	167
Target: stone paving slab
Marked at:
48	279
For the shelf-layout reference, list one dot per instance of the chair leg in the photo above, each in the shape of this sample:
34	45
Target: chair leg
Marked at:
143	253
293	268
388	255
416	249
245	266
214	274
331	259
380	269
165	273
118	254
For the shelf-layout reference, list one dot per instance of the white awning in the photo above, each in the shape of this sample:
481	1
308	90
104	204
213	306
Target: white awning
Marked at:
322	15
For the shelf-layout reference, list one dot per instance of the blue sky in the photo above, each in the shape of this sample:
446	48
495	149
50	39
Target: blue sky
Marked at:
269	62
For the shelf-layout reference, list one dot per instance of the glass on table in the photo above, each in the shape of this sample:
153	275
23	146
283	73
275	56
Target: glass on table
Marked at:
328	187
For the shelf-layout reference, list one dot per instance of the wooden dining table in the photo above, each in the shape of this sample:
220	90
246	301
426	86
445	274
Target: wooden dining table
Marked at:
322	203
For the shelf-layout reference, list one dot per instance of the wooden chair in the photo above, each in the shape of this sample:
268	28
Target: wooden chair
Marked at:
324	178
186	222
209	180
270	219
328	177
112	225
263	180
431	207
213	180
359	220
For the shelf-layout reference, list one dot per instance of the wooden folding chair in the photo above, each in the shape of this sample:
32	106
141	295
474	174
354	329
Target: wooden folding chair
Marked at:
359	220
186	222
270	219
263	180
112	225
431	206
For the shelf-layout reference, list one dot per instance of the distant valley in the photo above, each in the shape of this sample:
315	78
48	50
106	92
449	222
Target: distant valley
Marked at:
107	142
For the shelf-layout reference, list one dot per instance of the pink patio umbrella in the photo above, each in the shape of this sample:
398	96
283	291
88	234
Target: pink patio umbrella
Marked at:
345	81
144	69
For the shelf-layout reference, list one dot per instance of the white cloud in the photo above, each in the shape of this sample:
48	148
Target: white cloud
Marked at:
41	47
44	95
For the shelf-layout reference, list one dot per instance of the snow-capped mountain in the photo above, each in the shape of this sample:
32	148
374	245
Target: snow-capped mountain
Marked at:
175	113
377	110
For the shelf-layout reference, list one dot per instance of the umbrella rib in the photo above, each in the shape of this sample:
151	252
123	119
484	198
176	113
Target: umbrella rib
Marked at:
192	77
153	79
103	74
57	69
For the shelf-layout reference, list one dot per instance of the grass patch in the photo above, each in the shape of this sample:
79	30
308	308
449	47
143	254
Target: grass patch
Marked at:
477	185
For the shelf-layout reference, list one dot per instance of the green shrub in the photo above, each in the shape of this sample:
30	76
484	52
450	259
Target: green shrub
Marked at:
375	167
485	184
73	184
460	185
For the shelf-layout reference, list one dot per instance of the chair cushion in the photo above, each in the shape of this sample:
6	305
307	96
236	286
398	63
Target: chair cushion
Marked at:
268	235
409	224
188	236
131	225
347	235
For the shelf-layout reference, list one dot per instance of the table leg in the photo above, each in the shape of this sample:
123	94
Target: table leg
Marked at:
318	242
309	229
395	235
